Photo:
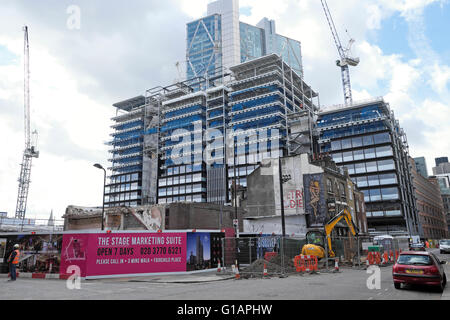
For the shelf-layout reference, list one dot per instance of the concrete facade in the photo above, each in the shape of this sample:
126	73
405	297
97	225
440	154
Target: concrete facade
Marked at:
176	216
430	205
313	192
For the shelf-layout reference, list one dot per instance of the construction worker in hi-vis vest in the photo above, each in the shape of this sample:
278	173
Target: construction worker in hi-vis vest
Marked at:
13	262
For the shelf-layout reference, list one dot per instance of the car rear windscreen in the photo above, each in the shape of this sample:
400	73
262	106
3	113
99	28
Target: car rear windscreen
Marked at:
415	259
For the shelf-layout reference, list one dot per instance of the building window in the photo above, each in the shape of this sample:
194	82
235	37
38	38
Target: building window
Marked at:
358	155
389	178
368	140
375	194
350	168
361	182
371	166
347	156
360	168
342	190
346	143
385	151
373	180
357	142
381	138
336	145
389	193
337	157
386	165
329	186
369	153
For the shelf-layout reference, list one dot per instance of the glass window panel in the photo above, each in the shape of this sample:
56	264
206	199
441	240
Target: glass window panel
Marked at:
371	166
176	180
386	165
358	155
346	143
384	151
360	167
182	169
389	193
337	157
393	213
389	178
368	140
361	182
375	194
366	195
189	168
162	182
369	153
347	156
351	168
336	145
381	138
357	142
373	180
189	188
182	189
377	213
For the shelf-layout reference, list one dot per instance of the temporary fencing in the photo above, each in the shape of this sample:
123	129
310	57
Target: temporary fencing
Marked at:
277	256
264	255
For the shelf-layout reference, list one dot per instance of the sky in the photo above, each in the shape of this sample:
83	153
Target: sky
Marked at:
87	55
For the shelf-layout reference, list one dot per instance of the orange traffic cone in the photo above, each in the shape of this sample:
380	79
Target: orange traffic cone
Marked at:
265	274
336	265
238	276
219	268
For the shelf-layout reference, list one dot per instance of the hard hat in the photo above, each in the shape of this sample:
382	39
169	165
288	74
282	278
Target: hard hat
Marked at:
16	246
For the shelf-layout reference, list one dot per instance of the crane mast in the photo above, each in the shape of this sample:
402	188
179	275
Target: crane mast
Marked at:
30	151
345	60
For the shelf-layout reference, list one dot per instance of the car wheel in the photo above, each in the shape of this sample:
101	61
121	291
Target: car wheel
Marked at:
442	252
397	285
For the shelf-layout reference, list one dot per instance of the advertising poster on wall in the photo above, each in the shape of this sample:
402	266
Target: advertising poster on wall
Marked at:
134	253
39	253
2	249
74	252
315	206
198	253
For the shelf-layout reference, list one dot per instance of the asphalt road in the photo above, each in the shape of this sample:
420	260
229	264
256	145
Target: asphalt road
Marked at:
349	284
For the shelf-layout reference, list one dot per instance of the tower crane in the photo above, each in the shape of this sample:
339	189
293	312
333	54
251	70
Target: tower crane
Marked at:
344	53
30	151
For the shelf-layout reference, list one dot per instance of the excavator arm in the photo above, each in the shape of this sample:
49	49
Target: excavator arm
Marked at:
332	223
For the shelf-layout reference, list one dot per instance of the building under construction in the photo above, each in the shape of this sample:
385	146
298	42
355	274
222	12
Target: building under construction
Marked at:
180	144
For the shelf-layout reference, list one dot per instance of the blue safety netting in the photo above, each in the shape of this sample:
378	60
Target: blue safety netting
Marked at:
187	110
256	102
129	125
257	113
180	123
128	151
352	130
254	124
215	113
259	89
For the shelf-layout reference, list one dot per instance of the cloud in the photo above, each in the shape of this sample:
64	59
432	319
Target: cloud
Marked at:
124	48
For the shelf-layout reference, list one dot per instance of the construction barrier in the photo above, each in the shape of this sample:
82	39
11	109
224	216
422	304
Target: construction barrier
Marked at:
306	263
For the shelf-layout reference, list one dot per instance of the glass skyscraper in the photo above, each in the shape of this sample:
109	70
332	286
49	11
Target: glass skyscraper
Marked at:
367	139
220	41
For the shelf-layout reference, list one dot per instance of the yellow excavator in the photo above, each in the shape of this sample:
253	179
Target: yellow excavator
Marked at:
315	238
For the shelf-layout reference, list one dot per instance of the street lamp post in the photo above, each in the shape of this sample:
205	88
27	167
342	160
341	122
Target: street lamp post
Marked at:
99	166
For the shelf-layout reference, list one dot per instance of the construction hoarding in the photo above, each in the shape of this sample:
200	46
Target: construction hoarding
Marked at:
98	255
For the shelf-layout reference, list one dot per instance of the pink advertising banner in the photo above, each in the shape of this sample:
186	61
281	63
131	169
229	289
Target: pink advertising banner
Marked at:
124	253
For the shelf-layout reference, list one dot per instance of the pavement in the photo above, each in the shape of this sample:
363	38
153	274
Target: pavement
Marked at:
349	284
